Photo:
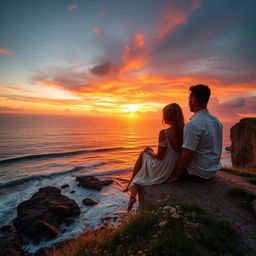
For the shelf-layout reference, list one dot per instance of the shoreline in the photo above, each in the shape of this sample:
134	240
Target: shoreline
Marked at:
114	221
89	214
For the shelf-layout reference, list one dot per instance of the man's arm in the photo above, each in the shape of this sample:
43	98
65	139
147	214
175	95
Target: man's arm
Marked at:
185	159
191	138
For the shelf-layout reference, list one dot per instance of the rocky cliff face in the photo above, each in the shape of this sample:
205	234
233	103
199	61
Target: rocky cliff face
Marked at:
243	138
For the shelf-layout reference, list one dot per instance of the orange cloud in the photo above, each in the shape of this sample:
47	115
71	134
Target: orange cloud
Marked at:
132	76
6	52
72	7
98	31
172	17
138	39
135	54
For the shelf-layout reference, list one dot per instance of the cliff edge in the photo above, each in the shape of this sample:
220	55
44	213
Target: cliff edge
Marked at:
212	197
243	138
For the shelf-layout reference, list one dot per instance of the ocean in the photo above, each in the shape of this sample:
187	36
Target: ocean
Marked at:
41	150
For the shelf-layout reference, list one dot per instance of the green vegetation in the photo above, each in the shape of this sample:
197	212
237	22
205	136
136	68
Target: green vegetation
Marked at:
248	173
245	196
164	228
252	180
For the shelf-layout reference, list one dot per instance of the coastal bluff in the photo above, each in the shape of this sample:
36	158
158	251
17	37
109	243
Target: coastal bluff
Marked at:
212	197
243	148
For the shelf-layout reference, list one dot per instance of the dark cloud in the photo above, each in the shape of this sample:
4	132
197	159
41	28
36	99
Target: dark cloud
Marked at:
9	109
233	109
73	78
251	104
102	69
242	103
235	103
38	100
219	45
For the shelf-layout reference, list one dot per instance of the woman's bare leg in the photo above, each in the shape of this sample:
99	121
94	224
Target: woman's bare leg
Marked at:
134	191
136	168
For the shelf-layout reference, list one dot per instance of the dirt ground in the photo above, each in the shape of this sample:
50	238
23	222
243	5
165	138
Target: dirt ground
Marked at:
211	196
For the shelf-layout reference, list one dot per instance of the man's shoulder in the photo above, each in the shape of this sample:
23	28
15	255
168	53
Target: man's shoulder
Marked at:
214	118
203	118
194	122
192	125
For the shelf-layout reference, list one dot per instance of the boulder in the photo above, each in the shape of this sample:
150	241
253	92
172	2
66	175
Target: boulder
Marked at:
65	186
5	228
11	245
68	222
41	215
88	201
92	182
243	138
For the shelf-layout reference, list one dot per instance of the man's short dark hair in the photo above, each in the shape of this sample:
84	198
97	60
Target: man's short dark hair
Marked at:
201	93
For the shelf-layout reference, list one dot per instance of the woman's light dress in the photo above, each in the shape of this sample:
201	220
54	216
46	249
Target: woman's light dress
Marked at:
154	171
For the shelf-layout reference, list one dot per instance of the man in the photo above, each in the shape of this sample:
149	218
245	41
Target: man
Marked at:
202	140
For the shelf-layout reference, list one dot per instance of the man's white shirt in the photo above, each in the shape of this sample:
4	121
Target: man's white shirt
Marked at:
203	134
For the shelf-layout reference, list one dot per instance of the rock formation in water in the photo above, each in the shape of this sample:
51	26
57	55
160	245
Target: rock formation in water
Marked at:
11	245
41	215
243	138
92	182
88	201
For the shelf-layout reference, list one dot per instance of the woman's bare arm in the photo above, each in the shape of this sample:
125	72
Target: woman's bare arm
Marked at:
161	150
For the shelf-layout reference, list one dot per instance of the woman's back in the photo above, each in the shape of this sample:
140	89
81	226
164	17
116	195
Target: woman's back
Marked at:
174	138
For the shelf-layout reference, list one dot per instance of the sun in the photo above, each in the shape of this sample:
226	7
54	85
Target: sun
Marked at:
132	108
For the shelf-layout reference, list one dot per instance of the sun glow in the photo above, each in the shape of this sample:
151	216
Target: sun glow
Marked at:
131	108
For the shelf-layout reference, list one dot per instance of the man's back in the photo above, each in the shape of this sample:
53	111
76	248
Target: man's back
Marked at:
203	135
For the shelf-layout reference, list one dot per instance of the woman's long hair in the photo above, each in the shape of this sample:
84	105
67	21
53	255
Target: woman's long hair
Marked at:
173	115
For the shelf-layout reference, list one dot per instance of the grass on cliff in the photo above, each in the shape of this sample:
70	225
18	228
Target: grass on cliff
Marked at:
245	196
162	229
247	173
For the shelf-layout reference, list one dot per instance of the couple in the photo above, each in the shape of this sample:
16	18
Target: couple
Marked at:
189	151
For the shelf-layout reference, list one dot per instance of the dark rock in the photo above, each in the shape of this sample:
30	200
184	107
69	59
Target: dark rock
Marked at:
49	230
92	182
107	218
243	137
65	186
88	201
5	228
10	245
69	222
72	192
41	215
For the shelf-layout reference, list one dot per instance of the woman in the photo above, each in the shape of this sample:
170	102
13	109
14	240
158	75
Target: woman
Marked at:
154	168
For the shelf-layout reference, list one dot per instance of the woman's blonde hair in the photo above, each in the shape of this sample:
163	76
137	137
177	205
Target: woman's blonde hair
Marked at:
172	115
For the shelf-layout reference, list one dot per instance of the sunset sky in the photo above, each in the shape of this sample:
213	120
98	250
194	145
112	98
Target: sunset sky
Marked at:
121	57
